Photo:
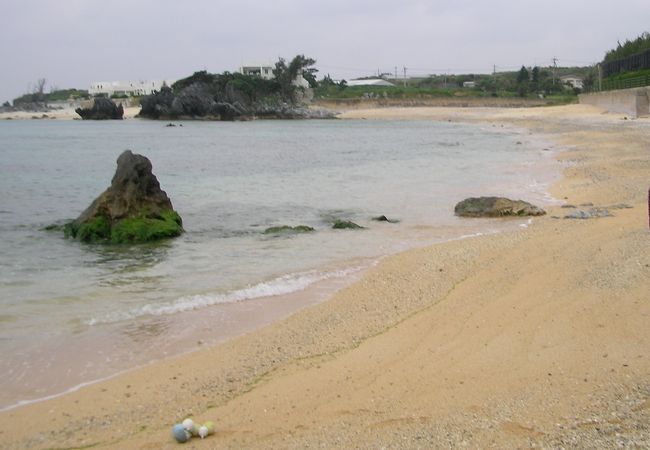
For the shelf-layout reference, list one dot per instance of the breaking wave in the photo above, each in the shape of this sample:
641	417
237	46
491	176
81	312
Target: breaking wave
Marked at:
283	285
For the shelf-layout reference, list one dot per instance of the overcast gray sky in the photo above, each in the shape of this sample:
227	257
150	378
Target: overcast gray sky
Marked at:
74	42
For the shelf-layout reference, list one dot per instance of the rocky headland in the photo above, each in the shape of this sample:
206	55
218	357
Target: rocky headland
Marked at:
230	96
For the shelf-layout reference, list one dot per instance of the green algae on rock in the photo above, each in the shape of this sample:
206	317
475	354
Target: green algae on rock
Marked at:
94	230
132	210
345	224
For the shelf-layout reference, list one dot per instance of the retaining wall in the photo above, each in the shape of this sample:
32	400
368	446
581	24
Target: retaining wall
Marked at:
633	102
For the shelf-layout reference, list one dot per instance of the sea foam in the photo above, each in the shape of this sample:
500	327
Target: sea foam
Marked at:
282	285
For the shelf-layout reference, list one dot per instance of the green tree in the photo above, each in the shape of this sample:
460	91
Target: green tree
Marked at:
522	76
641	43
327	81
522	82
285	75
535	74
534	84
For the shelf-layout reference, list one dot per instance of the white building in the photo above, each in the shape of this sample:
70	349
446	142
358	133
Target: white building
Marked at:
130	88
259	70
266	71
371	82
572	80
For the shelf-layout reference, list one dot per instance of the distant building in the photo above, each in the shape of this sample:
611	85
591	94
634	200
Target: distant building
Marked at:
258	70
130	88
371	82
572	80
266	71
469	84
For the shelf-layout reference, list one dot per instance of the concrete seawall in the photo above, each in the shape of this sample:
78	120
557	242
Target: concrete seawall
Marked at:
634	102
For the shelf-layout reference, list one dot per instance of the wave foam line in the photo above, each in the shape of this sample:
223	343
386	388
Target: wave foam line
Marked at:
283	285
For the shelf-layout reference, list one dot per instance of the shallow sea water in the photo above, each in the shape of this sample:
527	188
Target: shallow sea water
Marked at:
73	313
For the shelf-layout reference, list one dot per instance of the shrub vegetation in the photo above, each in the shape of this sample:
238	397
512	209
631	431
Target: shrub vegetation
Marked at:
629	48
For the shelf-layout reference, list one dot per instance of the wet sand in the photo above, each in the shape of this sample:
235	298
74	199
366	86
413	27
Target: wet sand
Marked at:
537	337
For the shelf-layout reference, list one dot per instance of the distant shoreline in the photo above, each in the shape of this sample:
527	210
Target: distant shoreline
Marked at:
332	105
59	114
455	102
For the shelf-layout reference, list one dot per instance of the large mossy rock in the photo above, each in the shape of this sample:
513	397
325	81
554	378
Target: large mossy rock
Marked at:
132	210
496	207
102	109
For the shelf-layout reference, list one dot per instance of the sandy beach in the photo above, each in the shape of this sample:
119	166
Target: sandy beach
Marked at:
533	338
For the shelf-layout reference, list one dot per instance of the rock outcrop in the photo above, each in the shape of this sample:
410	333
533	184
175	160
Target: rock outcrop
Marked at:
233	97
133	209
102	109
495	207
346	225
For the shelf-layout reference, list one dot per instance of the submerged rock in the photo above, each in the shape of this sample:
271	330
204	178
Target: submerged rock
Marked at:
289	230
383	218
495	207
133	209
345	224
102	109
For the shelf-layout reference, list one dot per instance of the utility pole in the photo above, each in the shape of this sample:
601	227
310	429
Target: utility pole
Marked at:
494	69
404	76
600	80
395	72
554	68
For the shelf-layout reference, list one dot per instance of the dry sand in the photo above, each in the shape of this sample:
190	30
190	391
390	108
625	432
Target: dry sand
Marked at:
539	337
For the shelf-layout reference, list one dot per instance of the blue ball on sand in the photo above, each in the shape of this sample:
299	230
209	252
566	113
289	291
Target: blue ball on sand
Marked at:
180	433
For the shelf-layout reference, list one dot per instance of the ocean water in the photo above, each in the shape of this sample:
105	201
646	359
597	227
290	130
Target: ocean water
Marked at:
73	313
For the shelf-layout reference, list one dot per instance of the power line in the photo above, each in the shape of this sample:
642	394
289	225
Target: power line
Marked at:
430	71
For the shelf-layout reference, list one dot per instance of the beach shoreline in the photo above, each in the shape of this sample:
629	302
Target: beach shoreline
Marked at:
111	339
59	114
343	364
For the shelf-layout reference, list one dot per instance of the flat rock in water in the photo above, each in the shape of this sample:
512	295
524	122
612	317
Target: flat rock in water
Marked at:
346	224
286	229
496	207
132	209
383	218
